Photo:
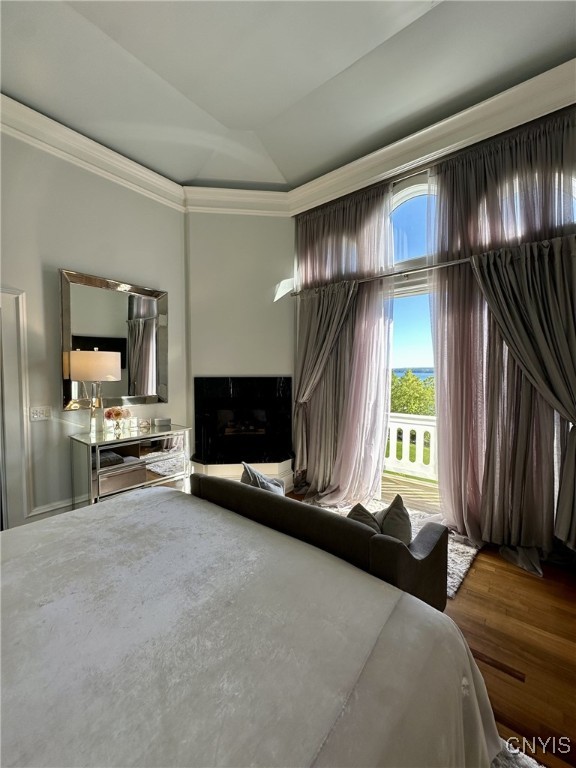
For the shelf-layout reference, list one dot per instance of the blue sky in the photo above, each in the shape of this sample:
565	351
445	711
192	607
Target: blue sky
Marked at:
412	337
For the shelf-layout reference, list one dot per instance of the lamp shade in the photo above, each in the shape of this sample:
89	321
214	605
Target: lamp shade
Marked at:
94	366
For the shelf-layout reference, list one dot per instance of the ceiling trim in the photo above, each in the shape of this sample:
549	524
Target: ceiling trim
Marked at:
530	100
242	201
534	98
39	131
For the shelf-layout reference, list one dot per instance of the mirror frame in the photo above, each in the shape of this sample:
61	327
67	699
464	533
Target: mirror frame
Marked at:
69	278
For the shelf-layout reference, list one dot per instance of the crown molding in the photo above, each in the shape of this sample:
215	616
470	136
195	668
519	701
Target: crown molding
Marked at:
527	101
27	125
240	201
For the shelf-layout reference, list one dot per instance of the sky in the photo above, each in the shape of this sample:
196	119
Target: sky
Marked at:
412	336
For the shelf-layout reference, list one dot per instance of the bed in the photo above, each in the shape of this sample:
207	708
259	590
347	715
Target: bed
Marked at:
159	629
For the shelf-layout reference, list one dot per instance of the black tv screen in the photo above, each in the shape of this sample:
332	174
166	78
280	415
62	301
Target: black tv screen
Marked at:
242	418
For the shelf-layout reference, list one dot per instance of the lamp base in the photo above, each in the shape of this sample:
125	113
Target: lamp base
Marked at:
96	411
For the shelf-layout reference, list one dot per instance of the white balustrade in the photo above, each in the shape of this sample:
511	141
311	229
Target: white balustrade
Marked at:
417	433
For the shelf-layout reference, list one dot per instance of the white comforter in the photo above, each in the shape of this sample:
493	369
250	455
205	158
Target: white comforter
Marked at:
157	629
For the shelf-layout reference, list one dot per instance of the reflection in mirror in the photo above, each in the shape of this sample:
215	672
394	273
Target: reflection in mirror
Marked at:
116	317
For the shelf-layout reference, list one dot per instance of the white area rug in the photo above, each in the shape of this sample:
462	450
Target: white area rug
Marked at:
461	552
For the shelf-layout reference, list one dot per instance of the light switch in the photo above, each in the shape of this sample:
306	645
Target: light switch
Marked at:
40	412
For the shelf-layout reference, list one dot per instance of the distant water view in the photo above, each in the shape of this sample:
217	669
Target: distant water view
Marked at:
421	373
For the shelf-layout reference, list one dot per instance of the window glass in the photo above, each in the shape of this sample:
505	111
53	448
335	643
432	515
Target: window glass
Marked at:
409	227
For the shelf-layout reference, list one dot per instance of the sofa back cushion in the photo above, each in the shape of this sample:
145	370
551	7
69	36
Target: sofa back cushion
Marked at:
344	538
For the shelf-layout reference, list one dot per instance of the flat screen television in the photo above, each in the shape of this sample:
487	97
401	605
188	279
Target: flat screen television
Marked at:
242	418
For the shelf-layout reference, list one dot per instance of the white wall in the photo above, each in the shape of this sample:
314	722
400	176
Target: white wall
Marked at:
220	271
235	263
57	215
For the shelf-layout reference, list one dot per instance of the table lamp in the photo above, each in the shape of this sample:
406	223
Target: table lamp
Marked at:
95	367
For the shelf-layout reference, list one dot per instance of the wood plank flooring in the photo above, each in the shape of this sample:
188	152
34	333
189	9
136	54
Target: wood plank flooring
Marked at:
421	495
522	631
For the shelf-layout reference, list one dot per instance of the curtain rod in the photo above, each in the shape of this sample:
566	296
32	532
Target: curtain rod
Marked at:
382	275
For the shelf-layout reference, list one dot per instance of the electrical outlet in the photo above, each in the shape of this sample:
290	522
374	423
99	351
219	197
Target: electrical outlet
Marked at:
40	413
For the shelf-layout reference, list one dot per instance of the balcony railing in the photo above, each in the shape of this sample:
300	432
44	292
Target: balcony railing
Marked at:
412	445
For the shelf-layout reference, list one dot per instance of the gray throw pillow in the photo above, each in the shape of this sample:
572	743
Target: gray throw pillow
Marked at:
362	515
251	476
395	521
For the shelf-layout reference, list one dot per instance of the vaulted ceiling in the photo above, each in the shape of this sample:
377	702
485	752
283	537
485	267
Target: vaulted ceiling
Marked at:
269	94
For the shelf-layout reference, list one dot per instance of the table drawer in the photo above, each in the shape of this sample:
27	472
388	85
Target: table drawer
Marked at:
121	479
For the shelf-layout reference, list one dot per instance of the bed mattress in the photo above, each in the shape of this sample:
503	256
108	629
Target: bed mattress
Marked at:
158	629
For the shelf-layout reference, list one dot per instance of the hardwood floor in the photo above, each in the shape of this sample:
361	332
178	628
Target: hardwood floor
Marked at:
421	495
522	631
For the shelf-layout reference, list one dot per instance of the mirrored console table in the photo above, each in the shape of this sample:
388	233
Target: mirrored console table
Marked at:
106	465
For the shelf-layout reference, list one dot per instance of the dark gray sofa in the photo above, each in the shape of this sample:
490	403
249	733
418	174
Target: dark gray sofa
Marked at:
420	569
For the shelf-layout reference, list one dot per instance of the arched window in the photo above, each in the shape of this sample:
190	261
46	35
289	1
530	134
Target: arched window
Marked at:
412	213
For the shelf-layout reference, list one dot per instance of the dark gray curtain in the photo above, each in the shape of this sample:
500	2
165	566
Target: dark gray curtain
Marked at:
531	292
495	427
322	314
517	488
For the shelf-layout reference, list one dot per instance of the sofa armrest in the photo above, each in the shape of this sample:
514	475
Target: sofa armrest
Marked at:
420	569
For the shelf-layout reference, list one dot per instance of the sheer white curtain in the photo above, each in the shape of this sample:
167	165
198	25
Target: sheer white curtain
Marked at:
357	471
343	346
495	427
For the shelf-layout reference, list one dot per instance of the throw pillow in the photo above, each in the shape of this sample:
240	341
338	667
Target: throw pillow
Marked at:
395	521
362	515
251	476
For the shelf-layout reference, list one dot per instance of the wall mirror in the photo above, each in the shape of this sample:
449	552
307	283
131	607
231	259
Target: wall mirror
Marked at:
116	317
